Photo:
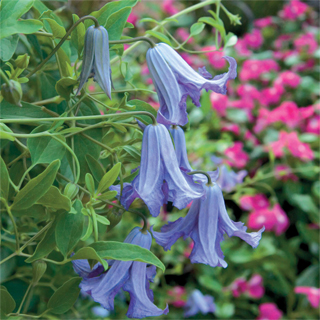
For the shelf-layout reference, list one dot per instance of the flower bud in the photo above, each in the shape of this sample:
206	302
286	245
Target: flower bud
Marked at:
38	269
22	62
12	92
70	190
114	216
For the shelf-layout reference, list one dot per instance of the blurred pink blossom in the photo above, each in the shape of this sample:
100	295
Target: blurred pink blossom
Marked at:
178	296
253	69
313	125
293	10
215	57
248	91
288	78
219	103
231	127
235	156
263	22
254	40
303	66
183	34
238	287
255	286
168	7
306	43
249	136
273	219
242	48
271	95
256	202
269	311
283	172
312	293
133	18
188	250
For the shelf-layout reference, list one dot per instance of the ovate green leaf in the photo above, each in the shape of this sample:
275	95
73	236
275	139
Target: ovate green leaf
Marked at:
109	178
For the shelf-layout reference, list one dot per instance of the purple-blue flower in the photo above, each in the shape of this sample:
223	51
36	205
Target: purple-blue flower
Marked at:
160	179
175	80
197	302
131	276
206	223
96	60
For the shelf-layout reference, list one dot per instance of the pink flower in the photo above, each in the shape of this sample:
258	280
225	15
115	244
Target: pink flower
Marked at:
288	113
253	69
313	125
249	136
255	286
236	157
92	88
256	202
303	66
273	219
242	48
282	41
293	10
238	287
263	22
133	18
248	91
283	173
231	127
177	296
312	293
219	103
288	78
168	7
244	104
271	95
291	141
183	34
187	251
254	39
215	57
269	311
306	43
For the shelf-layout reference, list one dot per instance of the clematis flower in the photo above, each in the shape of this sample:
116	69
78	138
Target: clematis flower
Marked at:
312	293
228	179
175	80
96	60
131	276
269	311
206	223
197	302
160	179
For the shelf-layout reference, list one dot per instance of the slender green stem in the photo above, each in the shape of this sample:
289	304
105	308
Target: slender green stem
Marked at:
150	42
216	33
182	12
24	297
13	222
77	104
202	172
97	143
44	259
24	176
125	90
47	34
61	43
8	257
103	116
56	99
17	159
4	77
101	103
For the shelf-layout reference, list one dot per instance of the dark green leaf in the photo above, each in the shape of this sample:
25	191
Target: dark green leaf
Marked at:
45	149
95	167
64	87
54	199
36	187
125	252
65	297
4	181
160	36
36	211
69	229
90	254
7	303
78	35
90	183
8	47
116	23
143	106
109	178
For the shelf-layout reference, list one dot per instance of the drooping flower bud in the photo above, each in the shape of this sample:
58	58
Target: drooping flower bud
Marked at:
38	269
96	60
114	216
70	190
12	92
22	61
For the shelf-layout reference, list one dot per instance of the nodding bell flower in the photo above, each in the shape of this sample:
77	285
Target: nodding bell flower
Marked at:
197	302
160	179
96	60
206	223
131	276
175	80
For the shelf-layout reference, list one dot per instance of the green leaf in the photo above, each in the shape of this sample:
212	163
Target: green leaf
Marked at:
230	40
45	149
143	106
7	303
225	310
8	47
64	87
109	178
116	23
107	195
214	23
36	187
90	183
210	283
9	111
103	220
78	35
89	230
65	297
5	133
46	245
95	167
306	204
160	36
196	28
89	254
125	252
11	11
4	181
54	199
36	211
69	229
57	30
